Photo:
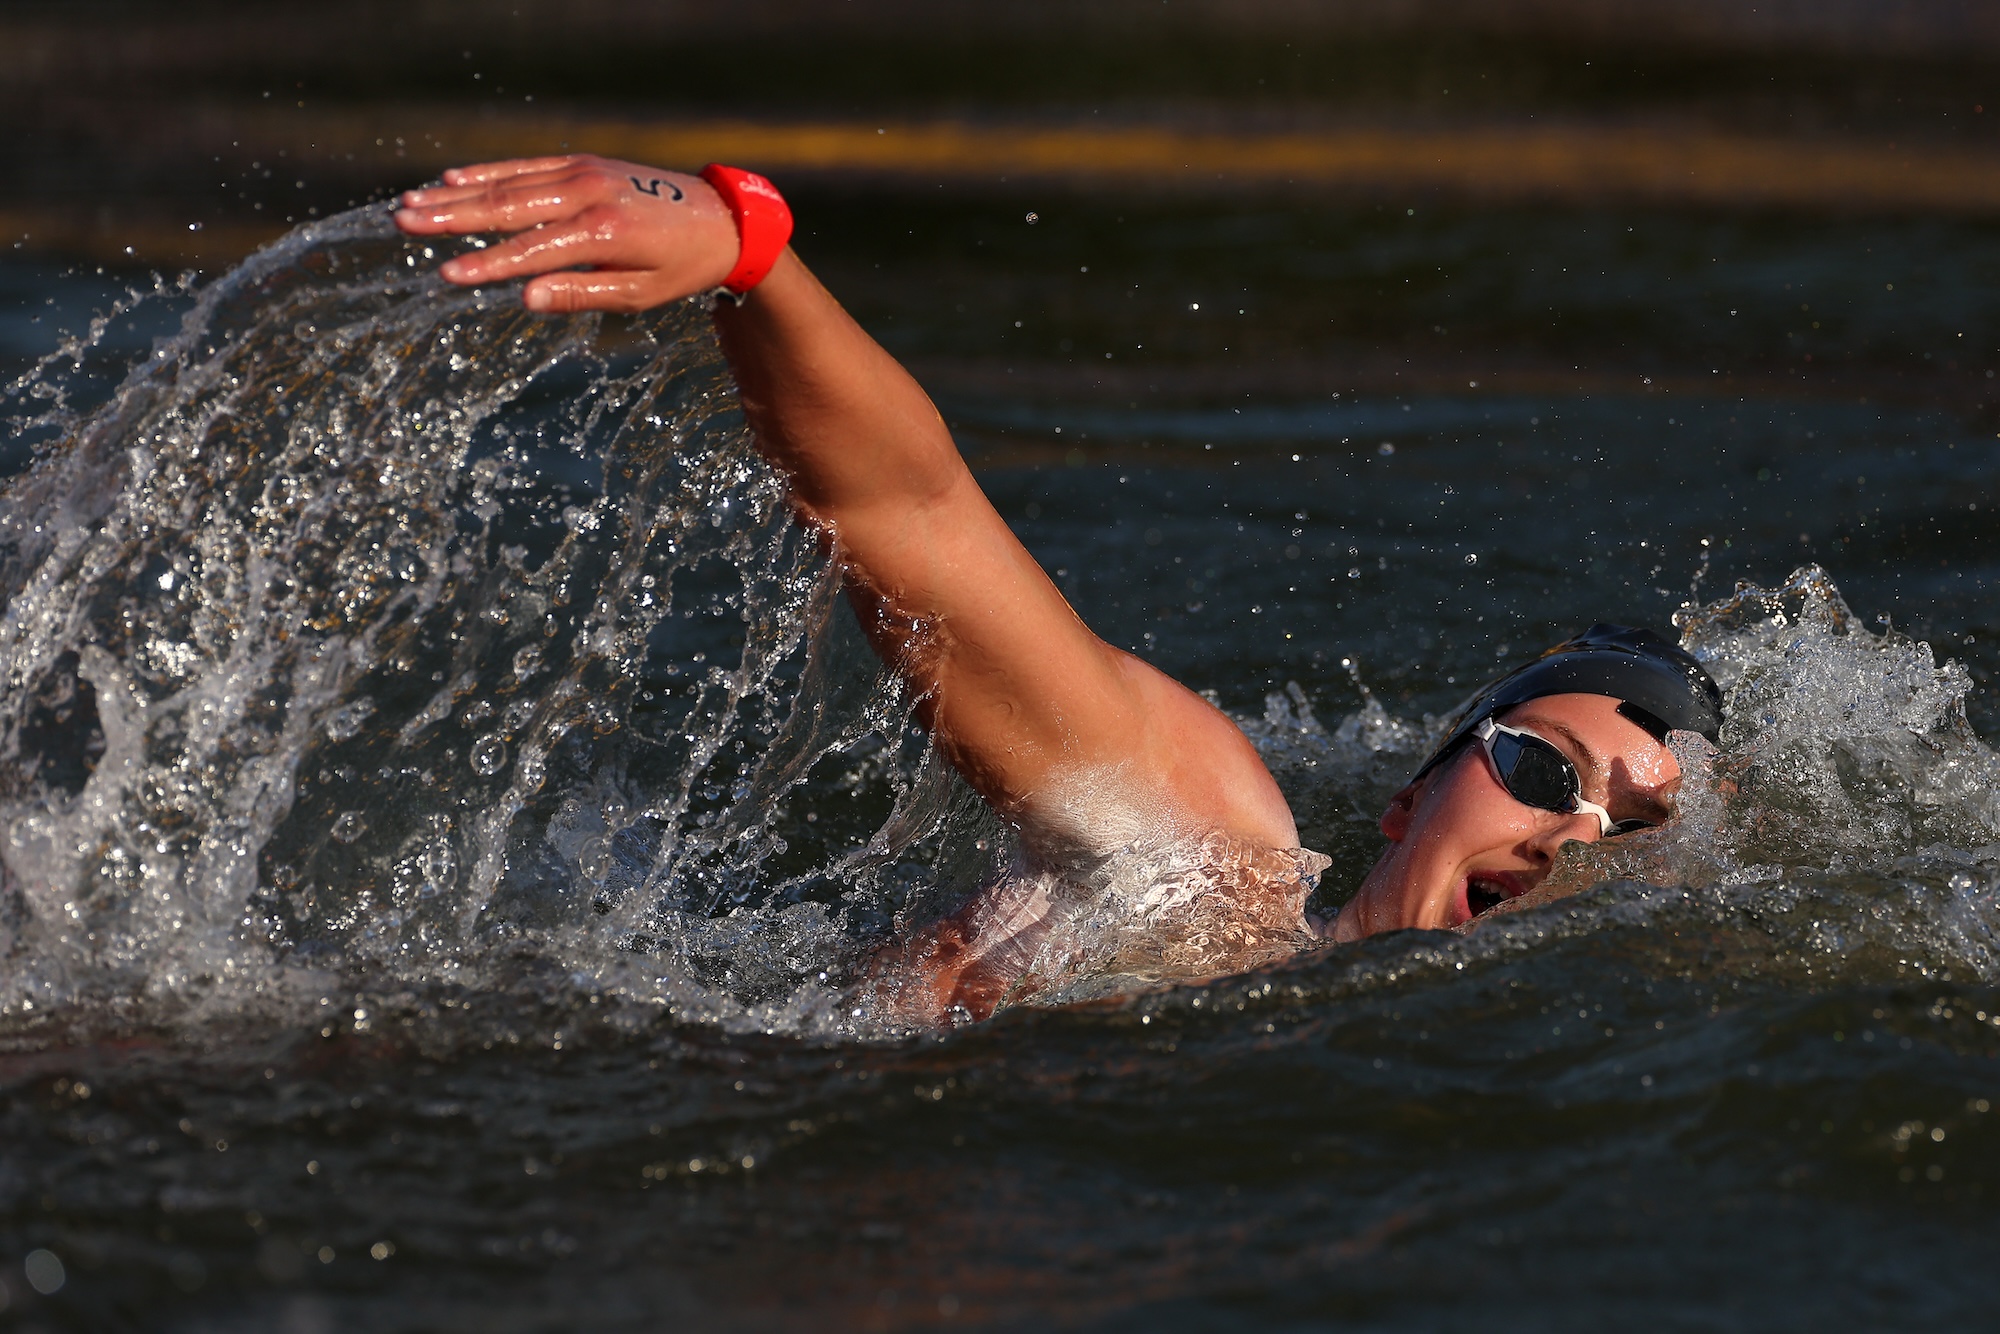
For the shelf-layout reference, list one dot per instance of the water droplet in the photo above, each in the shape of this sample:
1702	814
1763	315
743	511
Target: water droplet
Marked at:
346	722
489	755
349	826
527	662
440	865
45	1272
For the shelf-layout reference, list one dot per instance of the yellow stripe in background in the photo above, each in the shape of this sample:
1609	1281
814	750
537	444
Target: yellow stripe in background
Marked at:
400	145
1567	162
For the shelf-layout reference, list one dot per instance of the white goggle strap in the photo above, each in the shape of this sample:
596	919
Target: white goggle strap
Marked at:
1604	820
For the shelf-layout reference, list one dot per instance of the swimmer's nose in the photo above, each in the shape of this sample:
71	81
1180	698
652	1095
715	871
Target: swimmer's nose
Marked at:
1555	829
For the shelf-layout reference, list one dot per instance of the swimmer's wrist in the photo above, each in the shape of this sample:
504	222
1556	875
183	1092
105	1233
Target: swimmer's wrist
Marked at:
763	226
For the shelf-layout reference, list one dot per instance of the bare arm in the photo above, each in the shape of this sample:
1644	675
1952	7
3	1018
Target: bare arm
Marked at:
1060	731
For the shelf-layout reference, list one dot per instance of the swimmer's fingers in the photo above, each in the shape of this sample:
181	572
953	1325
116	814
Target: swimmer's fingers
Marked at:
479	173
636	262
461	183
592	238
665	234
602	289
510	205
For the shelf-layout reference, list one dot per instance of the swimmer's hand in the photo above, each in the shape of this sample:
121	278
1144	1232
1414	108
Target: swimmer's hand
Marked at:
589	233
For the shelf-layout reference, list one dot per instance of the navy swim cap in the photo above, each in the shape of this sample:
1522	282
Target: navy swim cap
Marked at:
1658	684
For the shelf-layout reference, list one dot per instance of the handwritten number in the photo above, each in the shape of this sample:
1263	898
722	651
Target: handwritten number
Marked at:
652	185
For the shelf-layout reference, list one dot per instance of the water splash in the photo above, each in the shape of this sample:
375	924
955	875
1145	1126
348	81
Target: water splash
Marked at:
1848	821
1848	826
377	648
375	629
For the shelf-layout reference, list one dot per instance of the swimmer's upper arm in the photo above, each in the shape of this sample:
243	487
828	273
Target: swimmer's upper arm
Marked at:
1023	698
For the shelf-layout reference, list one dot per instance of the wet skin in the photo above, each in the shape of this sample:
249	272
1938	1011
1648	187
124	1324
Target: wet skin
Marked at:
1460	843
1075	741
1070	739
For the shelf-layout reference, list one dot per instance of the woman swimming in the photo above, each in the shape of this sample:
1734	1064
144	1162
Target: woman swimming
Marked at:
1083	748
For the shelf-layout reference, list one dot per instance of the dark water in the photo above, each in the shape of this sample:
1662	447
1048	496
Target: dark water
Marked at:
446	808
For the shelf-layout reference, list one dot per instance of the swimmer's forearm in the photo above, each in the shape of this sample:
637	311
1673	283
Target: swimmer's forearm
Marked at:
859	438
945	591
1042	717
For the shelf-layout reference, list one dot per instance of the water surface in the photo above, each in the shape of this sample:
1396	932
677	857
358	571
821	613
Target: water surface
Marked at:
447	805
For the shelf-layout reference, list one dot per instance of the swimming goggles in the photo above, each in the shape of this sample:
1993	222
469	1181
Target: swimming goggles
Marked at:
1537	774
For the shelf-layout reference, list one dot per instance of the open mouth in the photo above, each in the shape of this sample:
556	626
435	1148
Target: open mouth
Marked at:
1482	895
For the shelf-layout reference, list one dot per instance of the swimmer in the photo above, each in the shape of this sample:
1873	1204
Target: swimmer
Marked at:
1081	747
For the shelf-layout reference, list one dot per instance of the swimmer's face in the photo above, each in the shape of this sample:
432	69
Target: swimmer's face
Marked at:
1460	843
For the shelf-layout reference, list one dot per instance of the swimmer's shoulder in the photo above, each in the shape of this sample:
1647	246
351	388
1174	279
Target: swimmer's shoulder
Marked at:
1206	766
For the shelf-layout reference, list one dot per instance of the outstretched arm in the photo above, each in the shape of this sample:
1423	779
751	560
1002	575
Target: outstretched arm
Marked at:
1075	740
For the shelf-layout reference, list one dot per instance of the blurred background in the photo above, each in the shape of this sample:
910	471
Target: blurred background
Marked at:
169	136
132	120
1100	231
149	136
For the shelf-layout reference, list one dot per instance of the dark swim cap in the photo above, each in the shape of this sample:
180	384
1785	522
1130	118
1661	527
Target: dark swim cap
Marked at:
1659	685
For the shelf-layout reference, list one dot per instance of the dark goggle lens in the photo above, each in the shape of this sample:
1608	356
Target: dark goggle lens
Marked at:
1535	772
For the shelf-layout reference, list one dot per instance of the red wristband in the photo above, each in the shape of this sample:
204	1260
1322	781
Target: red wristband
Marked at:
763	223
